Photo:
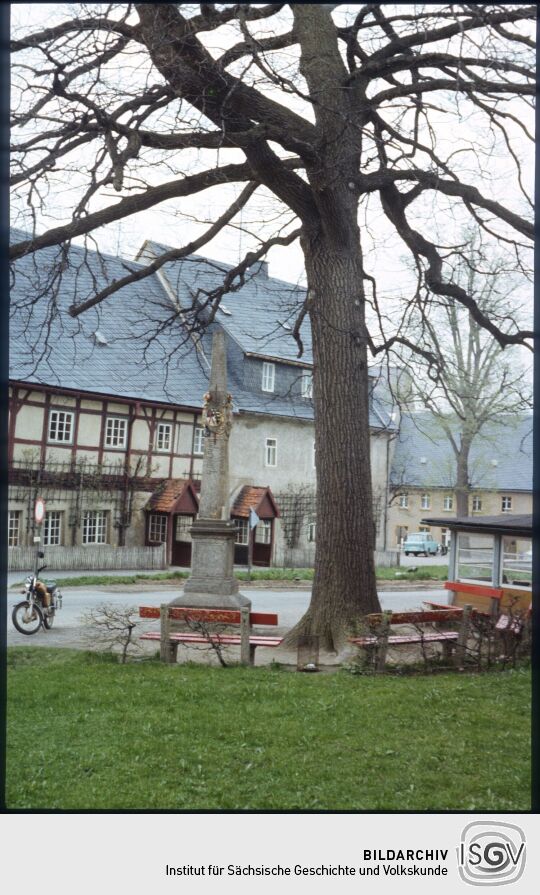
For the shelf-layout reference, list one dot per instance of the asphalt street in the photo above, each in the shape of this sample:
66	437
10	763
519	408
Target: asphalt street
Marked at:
68	629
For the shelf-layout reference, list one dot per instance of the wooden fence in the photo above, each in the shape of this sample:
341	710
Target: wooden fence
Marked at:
89	558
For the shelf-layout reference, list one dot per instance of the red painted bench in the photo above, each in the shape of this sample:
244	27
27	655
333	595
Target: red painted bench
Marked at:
190	626
381	639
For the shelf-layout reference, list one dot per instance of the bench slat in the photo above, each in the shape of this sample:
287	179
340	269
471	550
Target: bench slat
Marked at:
396	639
225	639
421	617
213	616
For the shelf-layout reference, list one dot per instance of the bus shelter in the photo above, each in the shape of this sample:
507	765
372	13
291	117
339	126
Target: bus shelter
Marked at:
489	562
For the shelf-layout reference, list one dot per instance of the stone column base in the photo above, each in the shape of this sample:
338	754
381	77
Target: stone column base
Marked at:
212	584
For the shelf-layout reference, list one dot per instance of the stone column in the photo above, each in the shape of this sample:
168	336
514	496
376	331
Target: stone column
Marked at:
212	583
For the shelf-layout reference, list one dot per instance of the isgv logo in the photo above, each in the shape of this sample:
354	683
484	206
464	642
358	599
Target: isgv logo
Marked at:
491	853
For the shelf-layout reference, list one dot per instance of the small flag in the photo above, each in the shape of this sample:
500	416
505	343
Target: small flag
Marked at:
253	519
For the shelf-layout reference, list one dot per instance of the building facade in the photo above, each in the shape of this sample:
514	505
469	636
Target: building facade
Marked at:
105	408
422	476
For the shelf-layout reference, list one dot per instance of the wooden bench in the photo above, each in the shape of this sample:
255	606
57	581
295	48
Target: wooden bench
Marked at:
381	640
189	626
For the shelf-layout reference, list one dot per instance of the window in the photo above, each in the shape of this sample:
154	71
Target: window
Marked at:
116	432
164	436
476	504
445	537
60	426
475	557
183	526
314	456
14	528
425	502
424	528
404	501
448	502
263	532
157	529
312	532
268	377
401	534
506	504
242	531
271	452
198	440
94	527
516	562
307	384
52	529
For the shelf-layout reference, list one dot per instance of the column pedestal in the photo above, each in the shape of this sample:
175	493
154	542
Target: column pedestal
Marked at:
212	584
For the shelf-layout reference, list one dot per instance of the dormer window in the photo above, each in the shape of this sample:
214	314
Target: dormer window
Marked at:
268	377
307	384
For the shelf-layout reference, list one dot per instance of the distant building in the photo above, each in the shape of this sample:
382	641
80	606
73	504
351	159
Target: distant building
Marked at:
105	409
422	475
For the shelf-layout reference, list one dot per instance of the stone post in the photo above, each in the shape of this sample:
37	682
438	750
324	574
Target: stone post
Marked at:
212	583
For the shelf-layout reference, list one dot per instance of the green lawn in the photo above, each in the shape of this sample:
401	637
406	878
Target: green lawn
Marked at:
85	732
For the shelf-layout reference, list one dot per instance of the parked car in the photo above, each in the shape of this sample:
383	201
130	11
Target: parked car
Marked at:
420	542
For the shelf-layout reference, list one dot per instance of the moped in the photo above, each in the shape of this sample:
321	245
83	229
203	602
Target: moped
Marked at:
38	609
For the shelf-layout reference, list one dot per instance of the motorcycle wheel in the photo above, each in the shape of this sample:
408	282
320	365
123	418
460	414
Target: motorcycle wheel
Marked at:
23	621
48	618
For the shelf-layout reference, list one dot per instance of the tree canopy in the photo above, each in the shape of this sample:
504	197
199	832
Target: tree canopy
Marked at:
352	118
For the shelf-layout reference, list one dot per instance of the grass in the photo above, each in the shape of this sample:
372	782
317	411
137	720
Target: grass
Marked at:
85	732
425	573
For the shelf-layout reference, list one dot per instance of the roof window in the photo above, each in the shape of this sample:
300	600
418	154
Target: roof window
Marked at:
99	338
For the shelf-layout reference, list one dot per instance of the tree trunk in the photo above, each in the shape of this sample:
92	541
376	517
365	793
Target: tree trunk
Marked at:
344	586
462	478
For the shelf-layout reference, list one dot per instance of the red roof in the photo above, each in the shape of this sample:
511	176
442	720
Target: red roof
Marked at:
255	497
169	492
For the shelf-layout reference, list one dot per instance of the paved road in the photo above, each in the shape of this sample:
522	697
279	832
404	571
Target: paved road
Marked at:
290	605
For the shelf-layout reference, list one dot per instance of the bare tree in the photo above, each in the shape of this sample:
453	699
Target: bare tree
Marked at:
345	115
111	628
474	387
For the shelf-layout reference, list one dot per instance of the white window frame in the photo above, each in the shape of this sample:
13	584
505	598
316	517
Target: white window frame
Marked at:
448	503
157	528
314	456
312	532
425	502
506	503
198	440
60	430
94	527
476	503
116	432
404	501
268	377
52	534
242	532
270	452
164	444
14	528
263	532
306	384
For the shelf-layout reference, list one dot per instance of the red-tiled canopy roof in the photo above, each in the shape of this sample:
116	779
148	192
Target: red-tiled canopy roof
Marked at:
257	498
168	493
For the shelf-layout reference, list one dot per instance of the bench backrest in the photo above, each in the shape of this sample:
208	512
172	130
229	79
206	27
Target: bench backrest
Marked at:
209	616
416	618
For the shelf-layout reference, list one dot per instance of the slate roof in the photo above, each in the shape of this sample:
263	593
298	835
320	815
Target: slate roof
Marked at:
95	352
261	313
509	444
